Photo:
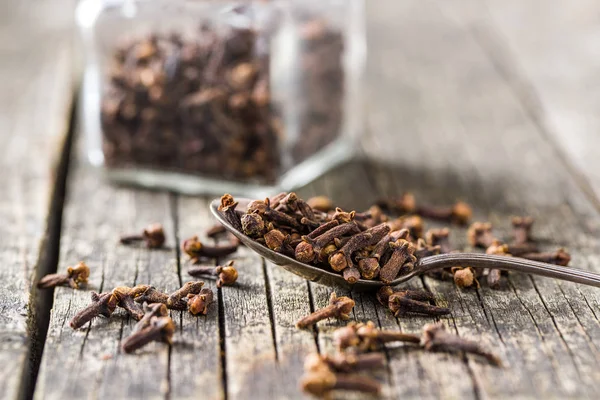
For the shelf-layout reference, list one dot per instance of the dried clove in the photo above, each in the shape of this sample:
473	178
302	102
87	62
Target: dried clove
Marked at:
369	268
558	257
321	383
151	310
342	258
124	297
175	300
159	329
460	213
150	295
436	338
439	237
195	249
75	278
227	207
215	231
480	234
425	250
366	337
411	302
198	303
102	304
344	362
226	275
351	275
320	203
522	229
464	277
253	225
153	235
339	307
308	250
402	258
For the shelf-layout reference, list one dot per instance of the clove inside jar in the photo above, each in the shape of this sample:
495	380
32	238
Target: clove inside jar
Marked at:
204	97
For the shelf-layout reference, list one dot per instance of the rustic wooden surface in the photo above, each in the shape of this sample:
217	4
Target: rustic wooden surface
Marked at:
491	102
36	93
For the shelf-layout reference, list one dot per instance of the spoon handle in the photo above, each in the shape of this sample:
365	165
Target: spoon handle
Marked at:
477	260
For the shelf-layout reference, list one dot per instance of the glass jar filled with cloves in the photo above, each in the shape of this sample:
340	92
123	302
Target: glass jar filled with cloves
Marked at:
207	97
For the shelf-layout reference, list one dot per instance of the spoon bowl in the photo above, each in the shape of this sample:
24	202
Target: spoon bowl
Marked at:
474	260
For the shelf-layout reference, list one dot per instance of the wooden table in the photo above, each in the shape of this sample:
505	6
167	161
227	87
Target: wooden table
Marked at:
494	102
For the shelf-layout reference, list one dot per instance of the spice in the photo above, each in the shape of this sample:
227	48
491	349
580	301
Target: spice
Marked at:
402	258
159	329
480	234
409	302
322	382
150	310
102	304
195	249
124	297
149	294
320	203
75	278
344	362
189	103
558	257
153	236
464	277
339	307
176	299
522	229
366	337
198	303
436	338
226	275
227	207
439	237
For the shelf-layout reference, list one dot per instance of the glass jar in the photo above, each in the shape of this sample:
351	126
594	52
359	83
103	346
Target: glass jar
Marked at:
202	97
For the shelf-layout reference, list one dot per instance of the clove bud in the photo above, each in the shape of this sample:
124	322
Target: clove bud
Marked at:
226	275
339	307
75	277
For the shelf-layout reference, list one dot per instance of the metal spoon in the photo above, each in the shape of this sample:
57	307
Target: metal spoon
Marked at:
474	260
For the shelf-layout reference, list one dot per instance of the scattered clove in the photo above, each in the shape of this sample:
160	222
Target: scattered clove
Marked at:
344	362
339	307
480	234
522	229
464	277
153	235
159	329
102	304
226	275
436	338
149	294
198	303
75	278
124	297
558	257
366	337
322	382
414	302
195	249
175	300
439	237
150	310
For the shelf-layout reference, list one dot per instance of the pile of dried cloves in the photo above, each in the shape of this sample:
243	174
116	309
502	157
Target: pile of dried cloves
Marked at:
359	348
373	245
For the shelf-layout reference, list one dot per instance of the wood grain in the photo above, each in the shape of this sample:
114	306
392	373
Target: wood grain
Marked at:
36	88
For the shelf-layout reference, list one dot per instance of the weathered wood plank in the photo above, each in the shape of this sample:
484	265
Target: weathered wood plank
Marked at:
88	362
250	352
196	359
36	93
549	58
468	137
